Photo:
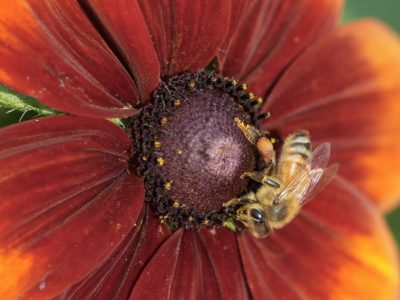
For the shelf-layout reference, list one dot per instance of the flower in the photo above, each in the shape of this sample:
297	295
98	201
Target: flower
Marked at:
73	222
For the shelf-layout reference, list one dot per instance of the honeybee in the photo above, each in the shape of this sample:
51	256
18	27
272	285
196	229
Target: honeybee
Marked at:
285	186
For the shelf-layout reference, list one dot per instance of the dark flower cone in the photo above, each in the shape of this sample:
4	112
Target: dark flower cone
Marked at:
73	222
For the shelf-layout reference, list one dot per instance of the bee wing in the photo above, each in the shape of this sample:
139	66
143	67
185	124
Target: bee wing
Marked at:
312	176
318	183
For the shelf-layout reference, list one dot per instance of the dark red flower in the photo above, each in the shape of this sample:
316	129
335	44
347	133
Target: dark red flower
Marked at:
73	223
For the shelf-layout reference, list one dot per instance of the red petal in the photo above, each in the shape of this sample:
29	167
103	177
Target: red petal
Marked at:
49	50
115	278
222	250
179	270
186	34
346	89
338	248
125	24
270	34
67	202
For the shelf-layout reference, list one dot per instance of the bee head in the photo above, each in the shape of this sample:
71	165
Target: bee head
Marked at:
255	222
277	212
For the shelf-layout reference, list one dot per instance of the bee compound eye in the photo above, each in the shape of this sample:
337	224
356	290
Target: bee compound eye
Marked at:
257	214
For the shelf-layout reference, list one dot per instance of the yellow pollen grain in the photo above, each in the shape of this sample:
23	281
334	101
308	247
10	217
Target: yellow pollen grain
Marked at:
168	185
157	144
273	140
164	121
160	161
234	82
244	86
260	100
205	221
177	102
190	219
180	151
241	124
251	96
192	85
176	204
144	158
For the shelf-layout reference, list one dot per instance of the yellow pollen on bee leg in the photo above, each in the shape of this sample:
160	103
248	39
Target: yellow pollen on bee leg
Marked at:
160	161
157	144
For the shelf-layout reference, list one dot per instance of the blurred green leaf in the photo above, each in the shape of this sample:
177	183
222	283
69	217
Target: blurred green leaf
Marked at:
11	101
386	10
393	219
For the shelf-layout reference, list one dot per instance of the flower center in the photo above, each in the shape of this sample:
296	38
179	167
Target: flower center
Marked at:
189	149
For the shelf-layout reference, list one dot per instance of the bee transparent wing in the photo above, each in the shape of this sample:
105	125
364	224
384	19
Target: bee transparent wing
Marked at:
317	184
312	176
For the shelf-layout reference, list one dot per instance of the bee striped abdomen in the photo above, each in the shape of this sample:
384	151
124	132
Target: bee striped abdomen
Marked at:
295	151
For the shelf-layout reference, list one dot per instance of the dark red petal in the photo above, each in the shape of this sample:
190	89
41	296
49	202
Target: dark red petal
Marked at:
337	248
115	278
67	201
270	34
222	250
49	50
346	90
180	269
125	24
186	34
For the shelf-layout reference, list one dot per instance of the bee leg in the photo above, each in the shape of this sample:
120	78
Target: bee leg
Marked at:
262	178
251	133
270	166
232	202
243	216
249	198
256	176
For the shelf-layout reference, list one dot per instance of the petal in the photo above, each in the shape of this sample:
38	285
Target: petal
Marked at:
345	90
186	34
115	277
338	248
125	24
270	34
179	270
223	252
66	202
49	50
